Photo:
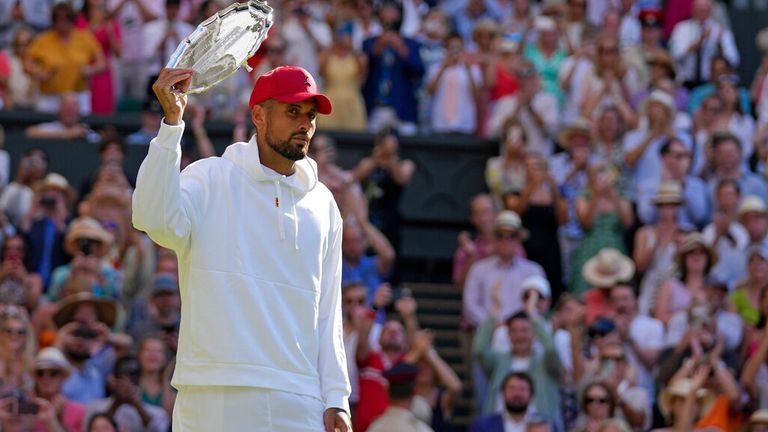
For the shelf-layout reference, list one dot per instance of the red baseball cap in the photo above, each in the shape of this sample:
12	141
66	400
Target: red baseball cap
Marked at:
288	84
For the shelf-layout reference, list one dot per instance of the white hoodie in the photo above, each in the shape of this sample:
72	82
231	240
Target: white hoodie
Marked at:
259	264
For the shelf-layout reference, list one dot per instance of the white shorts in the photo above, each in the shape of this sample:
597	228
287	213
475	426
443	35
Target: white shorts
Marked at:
228	409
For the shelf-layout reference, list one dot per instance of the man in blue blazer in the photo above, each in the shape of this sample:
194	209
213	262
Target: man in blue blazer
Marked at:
518	414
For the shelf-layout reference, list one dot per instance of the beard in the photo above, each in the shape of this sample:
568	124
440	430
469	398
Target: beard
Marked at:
285	148
78	356
516	407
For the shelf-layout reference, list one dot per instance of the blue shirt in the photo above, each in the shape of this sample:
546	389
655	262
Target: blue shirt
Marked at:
696	210
647	169
89	384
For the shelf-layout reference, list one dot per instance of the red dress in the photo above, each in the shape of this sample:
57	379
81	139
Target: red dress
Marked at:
506	83
102	85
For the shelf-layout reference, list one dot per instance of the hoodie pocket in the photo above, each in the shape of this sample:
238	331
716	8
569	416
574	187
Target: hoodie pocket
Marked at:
238	318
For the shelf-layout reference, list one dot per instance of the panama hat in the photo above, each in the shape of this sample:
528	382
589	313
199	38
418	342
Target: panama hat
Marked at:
507	220
692	242
56	182
663	98
669	192
752	204
759	417
608	268
579	126
682	387
52	358
105	308
662	58
87	228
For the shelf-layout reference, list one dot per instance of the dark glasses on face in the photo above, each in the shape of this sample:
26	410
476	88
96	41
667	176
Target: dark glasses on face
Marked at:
601	400
53	373
12	331
506	235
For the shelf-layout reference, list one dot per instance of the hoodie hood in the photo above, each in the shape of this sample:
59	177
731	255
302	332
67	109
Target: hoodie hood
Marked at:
246	156
303	180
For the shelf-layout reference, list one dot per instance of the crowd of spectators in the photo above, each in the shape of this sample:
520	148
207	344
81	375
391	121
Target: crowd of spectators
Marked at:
616	276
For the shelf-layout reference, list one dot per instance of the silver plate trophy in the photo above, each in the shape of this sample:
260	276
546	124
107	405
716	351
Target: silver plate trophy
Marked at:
222	43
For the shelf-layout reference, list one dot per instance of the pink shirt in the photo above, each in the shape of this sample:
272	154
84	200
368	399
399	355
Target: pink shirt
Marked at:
72	417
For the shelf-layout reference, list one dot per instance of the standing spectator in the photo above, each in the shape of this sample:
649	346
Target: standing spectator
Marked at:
305	35
95	17
603	272
738	122
636	56
63	60
51	370
343	70
597	404
471	250
694	261
604	215
573	75
17	285
542	210
696	40
468	15
727	156
499	77
455	86
161	37
17	197
577	23
609	144
130	69
746	298
660	68
45	224
371	270
394	74
546	56
155	374
159	314
518	392
101	422
535	109
753	215
505	174
366	23
726	235
383	176
16	14
21	88
398	416
707	121
18	349
151	116
125	405
68	124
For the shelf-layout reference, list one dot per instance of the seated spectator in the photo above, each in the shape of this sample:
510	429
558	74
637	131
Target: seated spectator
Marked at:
597	404
85	339
159	314
535	109
18	349
455	86
16	198
745	298
727	151
151	116
682	401
155	374
398	416
694	261
547	56
21	88
62	60
102	422
346	191
45	223
88	244
18	286
125	405
394	66
753	216
112	151
372	270
67	126
518	410
604	272
609	143
604	215
51	369
661	68
343	70
505	174
726	235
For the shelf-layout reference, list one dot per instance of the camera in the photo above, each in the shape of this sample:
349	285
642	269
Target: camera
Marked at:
48	202
24	404
86	245
85	332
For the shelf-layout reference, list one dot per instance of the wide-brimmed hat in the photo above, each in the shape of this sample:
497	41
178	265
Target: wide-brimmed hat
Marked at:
759	417
56	182
579	126
663	98
682	387
52	358
106	309
662	58
537	283
507	220
669	192
692	242
608	268
752	204
87	228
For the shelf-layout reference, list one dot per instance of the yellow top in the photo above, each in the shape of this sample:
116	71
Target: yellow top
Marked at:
65	58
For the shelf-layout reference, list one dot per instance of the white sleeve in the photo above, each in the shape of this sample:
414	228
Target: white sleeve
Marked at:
332	361
161	206
728	45
474	311
678	42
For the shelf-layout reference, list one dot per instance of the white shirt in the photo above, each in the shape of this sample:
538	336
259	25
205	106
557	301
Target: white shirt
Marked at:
453	104
131	24
545	105
153	34
300	47
688	32
729	325
511	425
574	95
647	333
732	264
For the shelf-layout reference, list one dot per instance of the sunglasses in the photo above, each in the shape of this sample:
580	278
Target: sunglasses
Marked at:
506	235
12	331
52	373
601	400
617	359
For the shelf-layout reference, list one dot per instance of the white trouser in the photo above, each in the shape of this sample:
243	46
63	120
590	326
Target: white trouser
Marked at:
225	409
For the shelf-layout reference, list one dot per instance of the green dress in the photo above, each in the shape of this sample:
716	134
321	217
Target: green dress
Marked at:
606	232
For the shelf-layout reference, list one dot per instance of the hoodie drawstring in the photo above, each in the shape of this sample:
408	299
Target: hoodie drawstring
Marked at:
278	196
277	209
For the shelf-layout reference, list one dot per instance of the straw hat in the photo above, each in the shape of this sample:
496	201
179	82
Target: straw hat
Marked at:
105	308
608	268
507	220
56	182
87	228
752	204
759	417
692	242
663	98
662	58
539	284
682	387
669	192
52	358
579	126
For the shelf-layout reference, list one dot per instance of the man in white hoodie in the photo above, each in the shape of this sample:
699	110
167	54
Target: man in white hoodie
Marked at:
259	246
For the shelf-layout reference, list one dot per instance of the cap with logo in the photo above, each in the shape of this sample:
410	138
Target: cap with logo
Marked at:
288	84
